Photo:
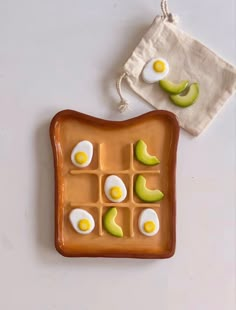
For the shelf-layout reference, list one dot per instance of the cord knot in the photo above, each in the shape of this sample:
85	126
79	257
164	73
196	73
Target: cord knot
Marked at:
173	18
123	106
167	15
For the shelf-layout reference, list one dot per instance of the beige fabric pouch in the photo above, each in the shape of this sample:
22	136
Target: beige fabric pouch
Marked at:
188	59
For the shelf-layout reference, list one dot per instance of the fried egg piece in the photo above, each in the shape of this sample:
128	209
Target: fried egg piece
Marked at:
82	221
115	189
155	70
82	154
148	222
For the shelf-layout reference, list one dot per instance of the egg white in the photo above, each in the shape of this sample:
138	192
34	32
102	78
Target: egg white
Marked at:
78	214
112	181
83	146
149	75
145	216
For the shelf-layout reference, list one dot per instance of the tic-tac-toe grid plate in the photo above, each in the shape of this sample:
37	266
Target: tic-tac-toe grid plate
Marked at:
113	144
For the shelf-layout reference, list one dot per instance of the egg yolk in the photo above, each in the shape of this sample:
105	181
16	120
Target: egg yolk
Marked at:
159	66
149	227
81	158
84	225
116	192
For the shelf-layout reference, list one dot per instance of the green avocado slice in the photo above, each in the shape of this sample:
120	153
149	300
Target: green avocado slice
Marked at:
143	156
144	193
110	224
184	101
173	88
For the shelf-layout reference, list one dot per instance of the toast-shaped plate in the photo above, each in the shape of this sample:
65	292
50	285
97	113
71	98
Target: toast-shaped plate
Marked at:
113	154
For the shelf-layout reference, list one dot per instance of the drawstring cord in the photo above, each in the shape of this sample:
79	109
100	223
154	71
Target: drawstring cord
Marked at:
124	105
123	102
166	13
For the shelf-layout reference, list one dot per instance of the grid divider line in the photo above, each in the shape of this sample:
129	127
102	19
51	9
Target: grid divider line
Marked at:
99	156
99	171
100	205
157	172
131	222
131	204
100	228
146	205
84	204
131	192
131	153
78	172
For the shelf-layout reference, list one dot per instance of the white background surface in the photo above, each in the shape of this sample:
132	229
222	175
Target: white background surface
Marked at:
57	54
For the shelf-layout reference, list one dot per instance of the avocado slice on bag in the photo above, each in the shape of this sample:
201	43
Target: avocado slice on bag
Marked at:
173	88
188	99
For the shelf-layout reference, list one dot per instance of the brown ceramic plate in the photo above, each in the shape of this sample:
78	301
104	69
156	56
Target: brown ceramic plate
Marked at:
113	146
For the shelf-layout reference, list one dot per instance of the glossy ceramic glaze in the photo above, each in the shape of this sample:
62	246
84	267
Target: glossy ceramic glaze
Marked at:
113	143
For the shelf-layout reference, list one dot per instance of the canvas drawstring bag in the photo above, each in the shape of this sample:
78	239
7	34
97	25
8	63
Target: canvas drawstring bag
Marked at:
165	47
